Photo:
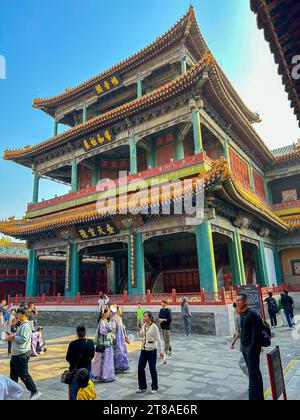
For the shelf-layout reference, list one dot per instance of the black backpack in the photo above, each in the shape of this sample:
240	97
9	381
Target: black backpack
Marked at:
266	334
274	306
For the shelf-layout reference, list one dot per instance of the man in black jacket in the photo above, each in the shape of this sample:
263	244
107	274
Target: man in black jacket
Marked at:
288	307
79	355
272	309
251	334
165	319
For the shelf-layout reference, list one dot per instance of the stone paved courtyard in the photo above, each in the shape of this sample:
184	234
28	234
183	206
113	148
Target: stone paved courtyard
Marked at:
203	367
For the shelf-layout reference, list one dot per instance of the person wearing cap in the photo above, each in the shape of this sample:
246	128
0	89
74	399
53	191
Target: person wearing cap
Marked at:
186	315
165	319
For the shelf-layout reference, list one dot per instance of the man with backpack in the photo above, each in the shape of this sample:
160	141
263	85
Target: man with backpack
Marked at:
251	341
288	307
272	309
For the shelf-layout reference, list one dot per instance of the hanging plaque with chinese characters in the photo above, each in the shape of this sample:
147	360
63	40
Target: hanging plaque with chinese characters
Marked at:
97	231
132	261
108	84
68	268
97	139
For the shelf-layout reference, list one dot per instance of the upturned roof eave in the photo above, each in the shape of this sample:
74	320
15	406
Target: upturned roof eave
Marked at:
133	61
264	23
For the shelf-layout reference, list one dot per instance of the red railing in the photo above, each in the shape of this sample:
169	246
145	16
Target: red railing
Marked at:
167	167
223	297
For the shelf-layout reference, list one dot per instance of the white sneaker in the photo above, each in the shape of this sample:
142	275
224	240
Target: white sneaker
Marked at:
153	391
35	396
141	391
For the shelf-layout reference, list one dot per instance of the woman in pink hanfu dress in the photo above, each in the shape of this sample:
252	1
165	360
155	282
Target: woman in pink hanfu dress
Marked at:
103	368
38	345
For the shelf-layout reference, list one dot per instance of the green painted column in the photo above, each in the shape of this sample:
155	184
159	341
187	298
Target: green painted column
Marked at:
277	266
139	86
74	175
252	185
36	183
95	171
55	127
198	144
133	155
179	149
151	155
262	264
136	265
267	192
32	270
226	151
131	264
140	264
206	257
74	272
234	264
237	260
117	276
84	116
241	258
183	63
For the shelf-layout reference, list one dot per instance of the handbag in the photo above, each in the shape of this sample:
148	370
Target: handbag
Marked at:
100	348
67	375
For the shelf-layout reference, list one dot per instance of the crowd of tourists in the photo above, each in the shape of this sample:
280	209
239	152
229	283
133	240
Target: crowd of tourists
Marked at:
102	358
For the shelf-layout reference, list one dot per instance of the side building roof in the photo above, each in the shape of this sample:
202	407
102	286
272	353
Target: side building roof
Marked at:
280	20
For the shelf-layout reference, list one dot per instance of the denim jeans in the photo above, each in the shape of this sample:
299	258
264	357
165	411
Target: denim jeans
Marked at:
252	357
289	313
187	325
150	357
273	318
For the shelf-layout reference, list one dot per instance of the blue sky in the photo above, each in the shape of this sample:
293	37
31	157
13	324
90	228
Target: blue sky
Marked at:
51	45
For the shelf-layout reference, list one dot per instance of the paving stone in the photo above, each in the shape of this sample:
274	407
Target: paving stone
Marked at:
179	391
205	370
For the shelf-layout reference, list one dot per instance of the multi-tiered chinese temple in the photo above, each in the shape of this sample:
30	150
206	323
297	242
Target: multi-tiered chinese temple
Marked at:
167	113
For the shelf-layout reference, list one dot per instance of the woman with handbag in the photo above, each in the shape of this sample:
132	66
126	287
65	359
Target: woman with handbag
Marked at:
103	368
80	355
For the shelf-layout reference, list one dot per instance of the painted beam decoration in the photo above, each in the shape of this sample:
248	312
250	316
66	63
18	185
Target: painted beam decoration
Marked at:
97	231
108	84
97	139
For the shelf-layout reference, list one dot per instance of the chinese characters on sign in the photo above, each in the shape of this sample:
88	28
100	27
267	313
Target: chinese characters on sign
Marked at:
108	84
97	139
68	267
97	231
132	261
